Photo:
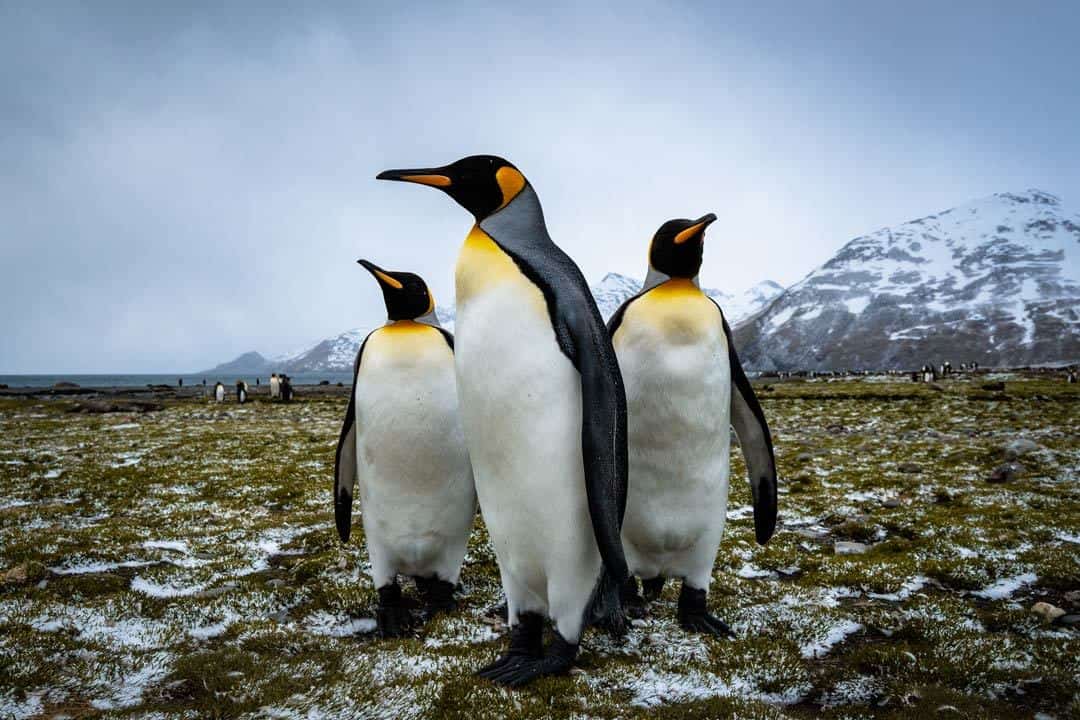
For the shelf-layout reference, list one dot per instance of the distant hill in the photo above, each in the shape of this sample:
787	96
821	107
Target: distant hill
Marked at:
248	363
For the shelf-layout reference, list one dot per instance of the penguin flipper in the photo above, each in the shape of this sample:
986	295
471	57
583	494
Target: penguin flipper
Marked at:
345	461
755	441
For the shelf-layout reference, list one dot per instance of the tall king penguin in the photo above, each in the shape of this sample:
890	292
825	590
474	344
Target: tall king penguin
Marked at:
402	442
544	413
685	388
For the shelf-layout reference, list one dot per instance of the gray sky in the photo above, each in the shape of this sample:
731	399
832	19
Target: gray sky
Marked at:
180	186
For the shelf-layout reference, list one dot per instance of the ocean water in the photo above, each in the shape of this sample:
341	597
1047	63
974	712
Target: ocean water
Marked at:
120	380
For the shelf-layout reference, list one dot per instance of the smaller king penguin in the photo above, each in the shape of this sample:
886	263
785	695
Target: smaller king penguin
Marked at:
685	387
402	442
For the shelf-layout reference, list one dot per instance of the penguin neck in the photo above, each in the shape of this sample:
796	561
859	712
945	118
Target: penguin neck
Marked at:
520	224
655	277
428	319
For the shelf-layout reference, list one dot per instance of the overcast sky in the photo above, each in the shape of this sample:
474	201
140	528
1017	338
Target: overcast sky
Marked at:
178	186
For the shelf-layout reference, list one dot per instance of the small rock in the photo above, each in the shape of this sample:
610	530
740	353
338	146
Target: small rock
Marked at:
15	576
950	709
812	533
343	563
1070	619
845	547
275	582
909	467
789	571
1019	448
1073	596
891	502
1005	473
1048	612
993	386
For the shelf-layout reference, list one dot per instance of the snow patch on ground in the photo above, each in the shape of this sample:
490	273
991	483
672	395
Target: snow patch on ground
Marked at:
1005	587
835	635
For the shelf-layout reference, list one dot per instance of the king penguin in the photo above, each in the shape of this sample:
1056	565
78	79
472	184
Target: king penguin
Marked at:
685	387
545	417
403	443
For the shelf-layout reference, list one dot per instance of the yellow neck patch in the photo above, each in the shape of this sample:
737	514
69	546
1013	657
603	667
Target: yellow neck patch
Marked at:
482	266
677	310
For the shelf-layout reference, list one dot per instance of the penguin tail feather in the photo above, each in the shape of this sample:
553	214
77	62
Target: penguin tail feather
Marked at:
605	608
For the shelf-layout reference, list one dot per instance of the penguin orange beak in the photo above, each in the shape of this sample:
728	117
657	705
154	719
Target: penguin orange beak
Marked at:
435	177
381	275
698	228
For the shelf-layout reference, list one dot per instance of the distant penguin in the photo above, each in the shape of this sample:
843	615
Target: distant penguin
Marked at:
275	386
403	444
241	392
685	388
219	392
544	414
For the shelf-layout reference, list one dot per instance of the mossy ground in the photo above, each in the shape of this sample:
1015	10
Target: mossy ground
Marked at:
184	563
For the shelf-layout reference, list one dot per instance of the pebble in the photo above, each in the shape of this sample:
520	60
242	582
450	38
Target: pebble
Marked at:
845	547
1070	619
1073	596
1004	473
909	467
1049	612
891	502
15	575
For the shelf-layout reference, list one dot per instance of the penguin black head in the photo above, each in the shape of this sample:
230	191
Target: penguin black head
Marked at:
678	245
406	295
481	184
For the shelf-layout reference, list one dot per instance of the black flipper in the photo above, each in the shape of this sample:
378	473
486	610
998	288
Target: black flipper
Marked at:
345	461
520	231
756	443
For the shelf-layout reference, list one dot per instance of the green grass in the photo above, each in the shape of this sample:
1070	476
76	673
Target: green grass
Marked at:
214	585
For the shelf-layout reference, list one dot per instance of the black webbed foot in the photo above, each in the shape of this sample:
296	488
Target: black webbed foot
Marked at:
526	645
437	596
557	660
392	617
653	587
634	605
694	617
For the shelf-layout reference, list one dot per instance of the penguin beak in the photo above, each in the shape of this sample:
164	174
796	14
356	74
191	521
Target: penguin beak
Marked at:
435	177
698	228
381	275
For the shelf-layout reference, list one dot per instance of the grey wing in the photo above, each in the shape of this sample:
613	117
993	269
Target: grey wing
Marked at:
756	443
345	461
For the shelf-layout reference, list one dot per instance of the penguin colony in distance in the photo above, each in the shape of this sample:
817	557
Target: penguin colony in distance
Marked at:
685	388
402	443
543	415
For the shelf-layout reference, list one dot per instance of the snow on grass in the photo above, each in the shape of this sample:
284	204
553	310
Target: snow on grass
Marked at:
329	625
834	635
1005	587
164	590
97	566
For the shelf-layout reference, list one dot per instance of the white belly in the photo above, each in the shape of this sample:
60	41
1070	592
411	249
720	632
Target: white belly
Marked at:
521	407
415	481
678	391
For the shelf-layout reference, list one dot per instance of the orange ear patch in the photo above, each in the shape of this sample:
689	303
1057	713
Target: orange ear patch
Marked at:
510	182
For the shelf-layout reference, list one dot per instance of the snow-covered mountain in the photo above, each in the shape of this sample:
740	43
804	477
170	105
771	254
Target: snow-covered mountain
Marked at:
996	280
336	354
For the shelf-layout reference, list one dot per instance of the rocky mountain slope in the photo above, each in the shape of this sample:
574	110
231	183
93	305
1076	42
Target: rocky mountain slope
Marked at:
996	280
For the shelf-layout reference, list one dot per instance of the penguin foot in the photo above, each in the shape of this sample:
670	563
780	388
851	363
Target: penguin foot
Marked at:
437	596
558	660
392	617
526	645
634	604
694	617
653	588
